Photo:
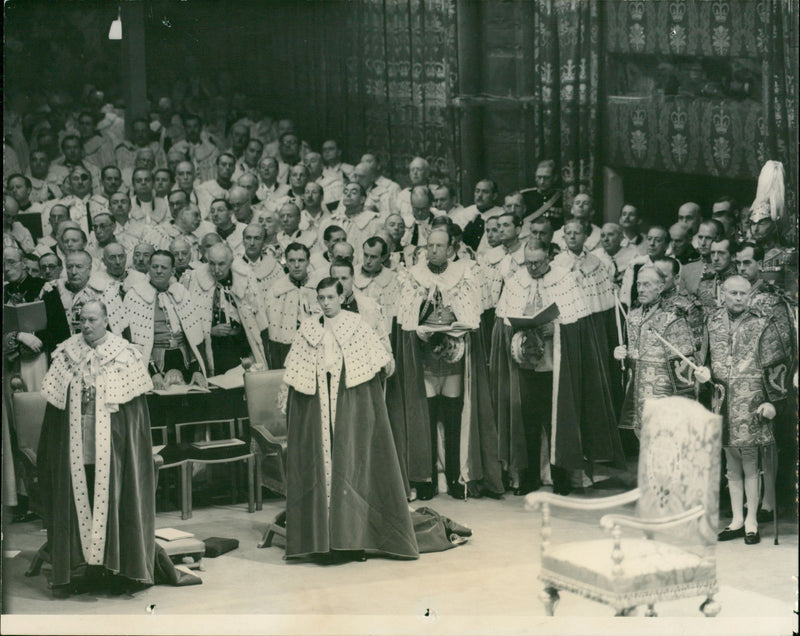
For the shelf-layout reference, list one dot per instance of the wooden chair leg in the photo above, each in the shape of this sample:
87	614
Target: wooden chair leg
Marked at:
186	490
251	477
549	597
710	607
42	555
259	493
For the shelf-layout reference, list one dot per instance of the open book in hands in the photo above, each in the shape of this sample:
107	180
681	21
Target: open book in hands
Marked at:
455	329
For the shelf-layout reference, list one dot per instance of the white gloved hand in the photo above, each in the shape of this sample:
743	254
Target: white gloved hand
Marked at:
29	340
389	368
620	352
766	410
794	380
702	374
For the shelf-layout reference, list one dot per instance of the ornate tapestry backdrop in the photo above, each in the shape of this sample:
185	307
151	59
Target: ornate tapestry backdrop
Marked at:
566	55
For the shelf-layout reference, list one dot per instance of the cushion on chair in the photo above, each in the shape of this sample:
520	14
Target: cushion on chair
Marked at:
652	571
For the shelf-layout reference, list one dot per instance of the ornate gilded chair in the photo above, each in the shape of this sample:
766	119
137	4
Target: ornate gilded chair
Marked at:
677	497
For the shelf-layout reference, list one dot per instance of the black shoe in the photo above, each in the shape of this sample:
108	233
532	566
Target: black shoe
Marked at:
425	491
526	486
751	538
727	534
764	516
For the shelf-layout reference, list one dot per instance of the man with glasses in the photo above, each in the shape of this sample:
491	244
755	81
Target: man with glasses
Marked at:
72	157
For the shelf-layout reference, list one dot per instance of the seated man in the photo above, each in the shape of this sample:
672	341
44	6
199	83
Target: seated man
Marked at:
289	216
345	491
141	256
231	311
166	323
289	301
95	459
50	266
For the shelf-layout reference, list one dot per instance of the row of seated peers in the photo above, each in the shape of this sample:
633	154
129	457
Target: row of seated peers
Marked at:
219	270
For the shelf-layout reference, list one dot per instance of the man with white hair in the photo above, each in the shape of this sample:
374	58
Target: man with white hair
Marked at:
656	370
231	310
419	172
748	360
611	245
239	198
186	182
680	245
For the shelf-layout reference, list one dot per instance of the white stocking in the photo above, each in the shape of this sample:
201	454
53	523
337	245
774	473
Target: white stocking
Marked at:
736	489
751	488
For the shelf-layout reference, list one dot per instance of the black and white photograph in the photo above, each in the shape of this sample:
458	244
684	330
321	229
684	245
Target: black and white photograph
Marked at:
463	317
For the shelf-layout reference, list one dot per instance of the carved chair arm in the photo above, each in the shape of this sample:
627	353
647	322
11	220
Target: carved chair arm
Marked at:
651	525
535	500
544	500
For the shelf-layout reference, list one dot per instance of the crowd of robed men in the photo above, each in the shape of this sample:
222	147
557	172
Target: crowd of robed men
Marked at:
206	257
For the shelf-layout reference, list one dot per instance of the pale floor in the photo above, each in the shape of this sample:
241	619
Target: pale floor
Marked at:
492	579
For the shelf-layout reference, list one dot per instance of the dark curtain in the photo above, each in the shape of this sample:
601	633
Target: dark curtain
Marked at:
566	51
780	96
401	73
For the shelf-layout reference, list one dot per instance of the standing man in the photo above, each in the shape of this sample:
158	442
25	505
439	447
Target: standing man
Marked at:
611	245
522	375
229	229
231	310
748	360
656	371
345	491
419	172
213	189
631	225
289	302
166	323
709	290
95	459
544	200
657	243
358	223
680	244
442	377
472	219
376	281
583	211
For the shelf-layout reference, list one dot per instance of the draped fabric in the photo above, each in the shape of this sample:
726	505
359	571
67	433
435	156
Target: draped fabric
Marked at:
780	41
401	72
566	51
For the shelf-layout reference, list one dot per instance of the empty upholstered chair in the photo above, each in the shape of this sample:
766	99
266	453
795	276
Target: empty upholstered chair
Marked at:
677	502
267	426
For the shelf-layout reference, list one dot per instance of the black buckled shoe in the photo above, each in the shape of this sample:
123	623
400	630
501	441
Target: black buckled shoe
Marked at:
751	538
728	535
